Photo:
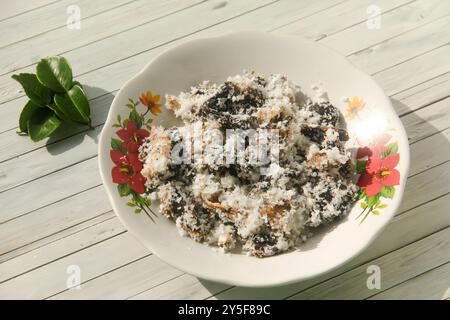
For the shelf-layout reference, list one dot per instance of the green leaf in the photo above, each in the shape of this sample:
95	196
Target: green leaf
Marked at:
59	112
363	205
75	105
26	114
55	73
123	189
376	212
361	166
388	192
134	116
372	200
78	84
382	206
391	148
116	144
37	93
362	194
43	122
137	210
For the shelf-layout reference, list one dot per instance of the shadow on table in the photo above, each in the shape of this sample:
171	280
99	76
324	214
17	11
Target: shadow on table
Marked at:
69	135
389	240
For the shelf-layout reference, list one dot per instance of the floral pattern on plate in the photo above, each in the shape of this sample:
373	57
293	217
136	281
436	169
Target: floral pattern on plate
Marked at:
124	152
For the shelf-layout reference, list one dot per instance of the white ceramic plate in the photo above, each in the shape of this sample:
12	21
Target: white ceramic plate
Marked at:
305	63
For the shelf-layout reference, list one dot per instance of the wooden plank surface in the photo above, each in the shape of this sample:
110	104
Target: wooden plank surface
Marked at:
47	224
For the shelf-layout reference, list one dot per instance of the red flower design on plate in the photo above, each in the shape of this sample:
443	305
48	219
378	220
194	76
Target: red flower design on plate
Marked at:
379	172
127	170
132	136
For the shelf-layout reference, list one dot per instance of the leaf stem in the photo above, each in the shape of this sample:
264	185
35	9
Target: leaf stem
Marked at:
359	215
367	214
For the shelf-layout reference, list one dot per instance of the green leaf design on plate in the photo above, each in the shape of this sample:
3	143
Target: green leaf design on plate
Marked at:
123	189
388	192
361	166
42	123
26	114
37	93
134	116
116	144
55	73
372	200
391	148
74	105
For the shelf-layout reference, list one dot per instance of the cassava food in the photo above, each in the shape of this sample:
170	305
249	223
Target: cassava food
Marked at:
256	166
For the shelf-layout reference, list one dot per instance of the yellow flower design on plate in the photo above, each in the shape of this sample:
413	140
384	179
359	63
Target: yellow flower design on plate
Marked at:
354	105
151	101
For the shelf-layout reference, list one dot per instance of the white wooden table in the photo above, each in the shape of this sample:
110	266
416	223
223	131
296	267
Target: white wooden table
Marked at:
55	216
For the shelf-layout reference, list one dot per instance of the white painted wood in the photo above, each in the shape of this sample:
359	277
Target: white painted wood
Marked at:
426	121
400	232
424	92
424	155
62	247
50	17
132	278
113	47
282	12
49	159
338	18
98	27
415	14
185	287
57	236
253	20
422	95
425	186
10	9
432	285
36	194
49	220
160	30
63	40
403	47
58	221
396	267
414	71
93	262
257	20
394	79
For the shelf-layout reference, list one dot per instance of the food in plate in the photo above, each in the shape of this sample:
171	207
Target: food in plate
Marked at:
256	166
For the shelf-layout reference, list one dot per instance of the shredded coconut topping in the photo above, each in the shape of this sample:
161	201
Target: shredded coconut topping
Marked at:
259	208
